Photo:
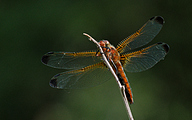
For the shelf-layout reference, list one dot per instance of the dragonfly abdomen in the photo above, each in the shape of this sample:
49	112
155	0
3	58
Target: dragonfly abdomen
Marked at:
124	81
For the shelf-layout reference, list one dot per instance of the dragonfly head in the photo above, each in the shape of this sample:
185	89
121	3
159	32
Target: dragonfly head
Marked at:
105	46
104	43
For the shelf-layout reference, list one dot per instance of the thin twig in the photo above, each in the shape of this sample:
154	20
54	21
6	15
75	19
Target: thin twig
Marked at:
122	88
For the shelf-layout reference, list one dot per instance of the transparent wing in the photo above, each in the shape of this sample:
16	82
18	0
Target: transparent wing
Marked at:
70	60
144	59
143	36
82	78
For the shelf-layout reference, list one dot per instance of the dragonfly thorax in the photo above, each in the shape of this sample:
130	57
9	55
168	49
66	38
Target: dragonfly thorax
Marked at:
110	51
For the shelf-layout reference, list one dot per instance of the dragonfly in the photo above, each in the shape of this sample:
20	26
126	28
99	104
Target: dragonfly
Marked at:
87	68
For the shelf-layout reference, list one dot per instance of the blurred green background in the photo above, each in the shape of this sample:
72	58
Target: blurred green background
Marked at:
29	29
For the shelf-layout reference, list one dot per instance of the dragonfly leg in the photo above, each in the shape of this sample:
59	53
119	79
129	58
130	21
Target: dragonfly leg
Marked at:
96	52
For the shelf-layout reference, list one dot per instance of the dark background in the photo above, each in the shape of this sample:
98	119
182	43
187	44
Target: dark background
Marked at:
29	29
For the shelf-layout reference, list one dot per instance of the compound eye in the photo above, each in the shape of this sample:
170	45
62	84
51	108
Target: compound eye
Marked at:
102	43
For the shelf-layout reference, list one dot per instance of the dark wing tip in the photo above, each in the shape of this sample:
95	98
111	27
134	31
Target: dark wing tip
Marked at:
45	57
165	46
158	19
53	83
